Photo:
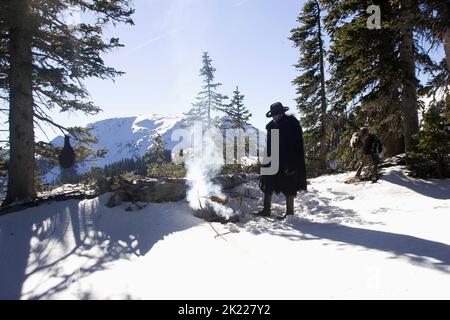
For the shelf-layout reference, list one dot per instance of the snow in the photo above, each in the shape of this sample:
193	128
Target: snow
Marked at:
386	240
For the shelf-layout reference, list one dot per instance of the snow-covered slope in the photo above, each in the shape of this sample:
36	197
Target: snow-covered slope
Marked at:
383	240
127	138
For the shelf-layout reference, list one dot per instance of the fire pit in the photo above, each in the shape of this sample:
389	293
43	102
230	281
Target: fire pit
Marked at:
217	209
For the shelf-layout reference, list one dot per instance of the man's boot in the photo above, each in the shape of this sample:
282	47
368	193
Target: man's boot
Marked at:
290	205
375	172
267	205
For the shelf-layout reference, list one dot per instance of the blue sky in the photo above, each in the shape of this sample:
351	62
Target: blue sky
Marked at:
247	40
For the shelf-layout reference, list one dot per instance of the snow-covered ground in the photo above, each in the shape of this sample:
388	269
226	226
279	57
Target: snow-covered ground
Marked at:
384	240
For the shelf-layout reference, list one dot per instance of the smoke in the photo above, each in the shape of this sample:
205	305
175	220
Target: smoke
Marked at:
203	163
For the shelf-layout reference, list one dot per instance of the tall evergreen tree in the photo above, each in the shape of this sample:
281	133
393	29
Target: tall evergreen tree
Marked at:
408	16
434	28
157	152
3	57
312	100
236	117
237	114
376	68
47	61
365	68
430	157
436	18
209	98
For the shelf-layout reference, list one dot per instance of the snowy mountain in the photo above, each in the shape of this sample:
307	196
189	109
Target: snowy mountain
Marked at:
128	137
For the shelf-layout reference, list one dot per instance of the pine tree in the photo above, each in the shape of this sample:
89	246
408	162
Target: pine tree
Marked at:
3	57
365	69
236	117
432	25
159	161
208	99
237	114
377	68
48	59
408	16
311	100
430	156
435	20
157	152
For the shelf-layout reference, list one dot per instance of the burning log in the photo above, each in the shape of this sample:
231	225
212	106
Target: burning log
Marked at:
208	213
223	201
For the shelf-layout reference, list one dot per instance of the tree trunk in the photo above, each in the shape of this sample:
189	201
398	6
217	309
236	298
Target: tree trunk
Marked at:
444	12
446	40
393	146
323	97
390	132
408	65
209	103
21	132
443	8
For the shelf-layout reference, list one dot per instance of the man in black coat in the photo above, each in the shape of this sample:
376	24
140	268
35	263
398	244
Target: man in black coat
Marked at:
291	174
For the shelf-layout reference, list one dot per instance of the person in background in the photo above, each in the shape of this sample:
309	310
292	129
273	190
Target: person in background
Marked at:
371	147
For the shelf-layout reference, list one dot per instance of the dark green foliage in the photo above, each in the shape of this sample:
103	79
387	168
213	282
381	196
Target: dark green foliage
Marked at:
3	170
240	168
44	61
433	26
157	153
310	84
3	162
237	115
64	55
136	165
365	68
431	156
48	159
155	163
166	170
159	161
209	98
342	156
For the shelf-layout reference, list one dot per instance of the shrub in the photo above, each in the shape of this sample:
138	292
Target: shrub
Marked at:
430	158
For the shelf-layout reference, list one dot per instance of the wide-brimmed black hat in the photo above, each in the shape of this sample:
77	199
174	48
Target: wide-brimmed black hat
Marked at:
276	108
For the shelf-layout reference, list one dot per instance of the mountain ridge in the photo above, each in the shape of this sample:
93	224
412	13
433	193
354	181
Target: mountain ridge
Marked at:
128	137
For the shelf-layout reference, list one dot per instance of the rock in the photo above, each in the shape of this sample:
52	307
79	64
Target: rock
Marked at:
104	185
398	160
162	191
229	181
253	176
136	206
117	198
147	190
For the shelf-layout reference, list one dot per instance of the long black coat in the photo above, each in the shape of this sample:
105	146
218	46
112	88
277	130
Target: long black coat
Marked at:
291	176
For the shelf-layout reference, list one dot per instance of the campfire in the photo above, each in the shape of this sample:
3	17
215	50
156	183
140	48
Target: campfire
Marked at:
203	164
222	200
217	209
